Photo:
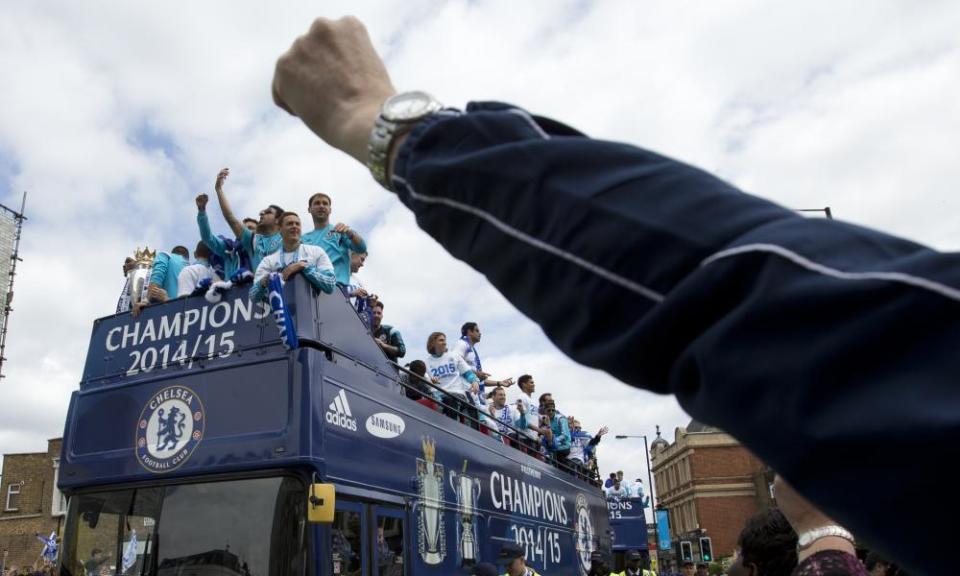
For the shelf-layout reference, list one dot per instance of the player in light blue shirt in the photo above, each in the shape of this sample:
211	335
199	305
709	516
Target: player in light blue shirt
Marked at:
166	270
294	258
336	240
265	239
163	277
230	255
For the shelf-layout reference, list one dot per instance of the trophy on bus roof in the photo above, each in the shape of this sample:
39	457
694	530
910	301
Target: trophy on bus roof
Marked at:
138	271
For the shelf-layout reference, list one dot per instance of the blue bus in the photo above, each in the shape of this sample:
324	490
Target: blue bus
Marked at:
628	524
198	444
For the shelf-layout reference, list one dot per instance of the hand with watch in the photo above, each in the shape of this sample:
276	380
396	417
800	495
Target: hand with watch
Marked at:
333	79
816	531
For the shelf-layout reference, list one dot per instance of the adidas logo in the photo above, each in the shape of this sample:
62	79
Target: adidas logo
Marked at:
339	413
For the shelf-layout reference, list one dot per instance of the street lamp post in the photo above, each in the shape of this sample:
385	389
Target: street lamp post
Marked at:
653	509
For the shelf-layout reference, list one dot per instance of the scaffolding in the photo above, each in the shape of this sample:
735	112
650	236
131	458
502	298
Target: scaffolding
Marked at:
11	224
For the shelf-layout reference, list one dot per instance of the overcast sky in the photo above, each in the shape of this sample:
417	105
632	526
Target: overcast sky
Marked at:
114	115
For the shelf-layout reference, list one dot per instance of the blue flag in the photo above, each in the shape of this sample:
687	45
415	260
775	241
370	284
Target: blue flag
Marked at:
129	552
281	314
49	552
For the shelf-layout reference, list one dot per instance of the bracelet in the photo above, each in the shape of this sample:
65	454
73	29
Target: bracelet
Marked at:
807	539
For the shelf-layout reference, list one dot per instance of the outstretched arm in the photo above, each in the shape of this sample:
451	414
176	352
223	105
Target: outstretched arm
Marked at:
596	439
685	284
232	220
213	242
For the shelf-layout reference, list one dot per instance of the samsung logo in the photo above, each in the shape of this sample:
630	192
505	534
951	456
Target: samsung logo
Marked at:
385	425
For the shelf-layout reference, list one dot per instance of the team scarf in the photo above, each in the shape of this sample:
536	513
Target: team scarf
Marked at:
504	417
212	291
233	249
281	313
476	355
365	311
49	552
479	399
123	304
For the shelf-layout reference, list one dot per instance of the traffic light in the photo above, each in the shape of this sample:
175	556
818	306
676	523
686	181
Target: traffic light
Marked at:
706	549
686	550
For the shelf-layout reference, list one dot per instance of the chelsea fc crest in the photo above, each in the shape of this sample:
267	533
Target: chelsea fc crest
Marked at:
169	429
583	530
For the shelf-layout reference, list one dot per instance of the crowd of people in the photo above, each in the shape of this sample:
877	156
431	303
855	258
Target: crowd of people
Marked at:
616	488
453	381
450	378
258	251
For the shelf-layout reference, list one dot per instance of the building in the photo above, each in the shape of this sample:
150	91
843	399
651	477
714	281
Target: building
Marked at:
710	485
31	504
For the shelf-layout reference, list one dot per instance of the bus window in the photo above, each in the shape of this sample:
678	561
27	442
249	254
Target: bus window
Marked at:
389	549
137	535
346	546
94	549
247	527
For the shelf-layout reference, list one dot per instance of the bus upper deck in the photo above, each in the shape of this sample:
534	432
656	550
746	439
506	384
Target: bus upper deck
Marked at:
197	440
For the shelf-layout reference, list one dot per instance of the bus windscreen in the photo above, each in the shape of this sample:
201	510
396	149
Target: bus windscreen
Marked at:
244	527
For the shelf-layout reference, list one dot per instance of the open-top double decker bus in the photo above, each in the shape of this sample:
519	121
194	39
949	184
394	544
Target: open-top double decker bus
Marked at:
197	444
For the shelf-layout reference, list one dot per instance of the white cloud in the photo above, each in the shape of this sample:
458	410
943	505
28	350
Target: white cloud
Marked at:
114	118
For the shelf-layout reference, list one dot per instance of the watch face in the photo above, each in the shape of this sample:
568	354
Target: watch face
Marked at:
409	106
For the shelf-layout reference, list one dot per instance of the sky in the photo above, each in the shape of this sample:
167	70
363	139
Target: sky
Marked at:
115	115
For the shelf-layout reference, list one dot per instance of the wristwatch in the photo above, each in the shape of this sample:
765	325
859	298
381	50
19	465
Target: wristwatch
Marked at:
806	539
399	114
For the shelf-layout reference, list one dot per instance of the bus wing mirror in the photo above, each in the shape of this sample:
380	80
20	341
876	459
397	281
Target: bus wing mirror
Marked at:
321	501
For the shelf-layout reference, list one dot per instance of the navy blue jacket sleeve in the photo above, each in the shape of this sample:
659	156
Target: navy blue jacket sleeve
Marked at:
830	350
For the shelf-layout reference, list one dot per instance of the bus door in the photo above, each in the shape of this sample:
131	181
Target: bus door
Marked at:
349	543
367	540
389	540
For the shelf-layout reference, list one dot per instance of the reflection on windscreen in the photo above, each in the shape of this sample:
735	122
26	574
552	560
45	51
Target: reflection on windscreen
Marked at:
244	527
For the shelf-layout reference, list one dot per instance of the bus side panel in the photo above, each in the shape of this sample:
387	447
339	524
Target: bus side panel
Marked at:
454	476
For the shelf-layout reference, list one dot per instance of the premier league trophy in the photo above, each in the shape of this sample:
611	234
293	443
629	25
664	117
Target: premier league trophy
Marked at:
467	489
140	275
138	279
433	543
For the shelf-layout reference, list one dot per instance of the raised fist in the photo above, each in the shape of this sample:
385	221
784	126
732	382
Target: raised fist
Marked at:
333	79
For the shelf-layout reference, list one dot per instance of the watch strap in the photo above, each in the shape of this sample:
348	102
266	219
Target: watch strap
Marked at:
378	149
806	539
387	130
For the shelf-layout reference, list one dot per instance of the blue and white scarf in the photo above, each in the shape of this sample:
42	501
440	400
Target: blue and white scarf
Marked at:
130	552
504	416
281	313
123	304
476	355
365	312
480	398
233	248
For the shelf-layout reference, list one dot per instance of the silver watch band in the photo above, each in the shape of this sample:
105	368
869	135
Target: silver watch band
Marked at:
379	150
807	539
399	114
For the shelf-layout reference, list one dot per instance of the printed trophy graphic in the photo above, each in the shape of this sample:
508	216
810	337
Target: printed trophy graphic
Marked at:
433	541
467	489
140	275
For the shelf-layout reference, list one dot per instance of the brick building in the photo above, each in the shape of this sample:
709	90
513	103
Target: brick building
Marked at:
29	504
710	485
